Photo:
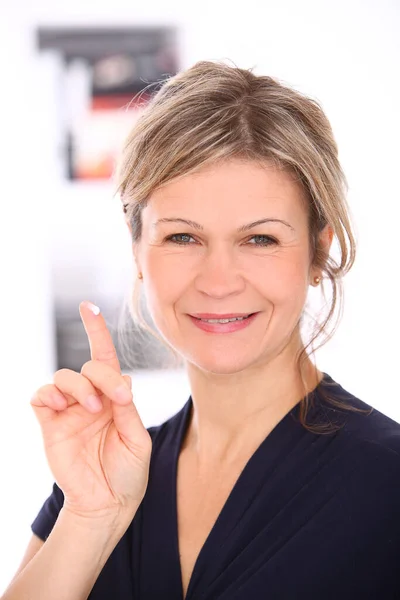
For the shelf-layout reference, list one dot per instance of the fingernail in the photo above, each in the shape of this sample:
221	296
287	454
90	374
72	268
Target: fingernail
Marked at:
94	403
95	309
123	393
128	380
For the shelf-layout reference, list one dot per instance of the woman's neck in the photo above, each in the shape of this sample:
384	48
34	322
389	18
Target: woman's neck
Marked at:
232	413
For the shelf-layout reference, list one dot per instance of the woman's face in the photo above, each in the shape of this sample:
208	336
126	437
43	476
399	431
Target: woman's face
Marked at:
220	264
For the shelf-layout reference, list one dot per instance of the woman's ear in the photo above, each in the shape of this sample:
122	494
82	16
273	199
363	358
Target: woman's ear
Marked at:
135	247
326	237
136	260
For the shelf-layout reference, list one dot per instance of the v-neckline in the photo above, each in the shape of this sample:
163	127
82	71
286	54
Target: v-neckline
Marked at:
236	502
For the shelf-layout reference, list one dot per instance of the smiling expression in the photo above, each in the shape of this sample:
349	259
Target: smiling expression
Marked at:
231	239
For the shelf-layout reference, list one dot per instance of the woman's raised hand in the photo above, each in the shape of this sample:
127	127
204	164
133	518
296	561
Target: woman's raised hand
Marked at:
96	445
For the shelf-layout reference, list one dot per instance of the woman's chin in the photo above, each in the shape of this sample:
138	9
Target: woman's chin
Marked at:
219	366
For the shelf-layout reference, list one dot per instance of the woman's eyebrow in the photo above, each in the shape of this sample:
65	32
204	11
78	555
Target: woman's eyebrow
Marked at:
240	229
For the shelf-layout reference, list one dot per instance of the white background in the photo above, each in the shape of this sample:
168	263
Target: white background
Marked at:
344	53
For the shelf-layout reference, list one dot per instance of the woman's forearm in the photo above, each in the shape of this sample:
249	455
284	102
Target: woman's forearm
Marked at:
70	561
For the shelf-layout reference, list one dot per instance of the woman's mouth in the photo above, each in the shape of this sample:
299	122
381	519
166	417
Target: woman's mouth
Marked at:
225	324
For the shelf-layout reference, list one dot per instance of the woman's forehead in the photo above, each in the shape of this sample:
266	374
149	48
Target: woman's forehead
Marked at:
235	189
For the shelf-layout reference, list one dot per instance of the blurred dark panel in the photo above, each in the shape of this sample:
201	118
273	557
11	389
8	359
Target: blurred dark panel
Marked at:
109	75
151	52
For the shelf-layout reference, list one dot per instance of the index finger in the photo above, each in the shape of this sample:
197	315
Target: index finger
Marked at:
100	341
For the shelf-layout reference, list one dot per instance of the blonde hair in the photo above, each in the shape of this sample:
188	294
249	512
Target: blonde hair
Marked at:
214	111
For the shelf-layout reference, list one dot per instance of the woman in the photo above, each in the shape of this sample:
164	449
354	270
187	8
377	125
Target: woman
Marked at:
272	480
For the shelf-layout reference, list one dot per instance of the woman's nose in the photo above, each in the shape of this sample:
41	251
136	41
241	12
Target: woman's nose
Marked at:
219	273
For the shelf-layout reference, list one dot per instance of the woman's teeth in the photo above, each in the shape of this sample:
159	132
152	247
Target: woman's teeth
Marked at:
224	320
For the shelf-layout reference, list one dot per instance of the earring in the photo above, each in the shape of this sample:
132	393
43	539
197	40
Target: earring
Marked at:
317	280
140	276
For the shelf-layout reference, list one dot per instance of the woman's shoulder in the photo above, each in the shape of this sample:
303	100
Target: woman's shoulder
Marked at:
361	422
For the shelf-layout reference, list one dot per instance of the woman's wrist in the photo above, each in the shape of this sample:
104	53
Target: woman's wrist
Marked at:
71	559
117	520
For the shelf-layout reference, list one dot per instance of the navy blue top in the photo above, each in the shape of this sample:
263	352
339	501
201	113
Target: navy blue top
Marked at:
311	516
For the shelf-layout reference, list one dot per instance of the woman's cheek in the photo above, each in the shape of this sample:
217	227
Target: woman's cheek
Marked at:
166	283
287	280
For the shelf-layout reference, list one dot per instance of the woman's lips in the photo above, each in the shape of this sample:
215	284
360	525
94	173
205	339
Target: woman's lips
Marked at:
218	316
223	327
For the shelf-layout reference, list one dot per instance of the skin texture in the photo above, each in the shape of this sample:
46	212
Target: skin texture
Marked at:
244	382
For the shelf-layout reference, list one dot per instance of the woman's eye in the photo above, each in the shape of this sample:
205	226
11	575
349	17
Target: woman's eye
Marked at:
266	240
178	235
